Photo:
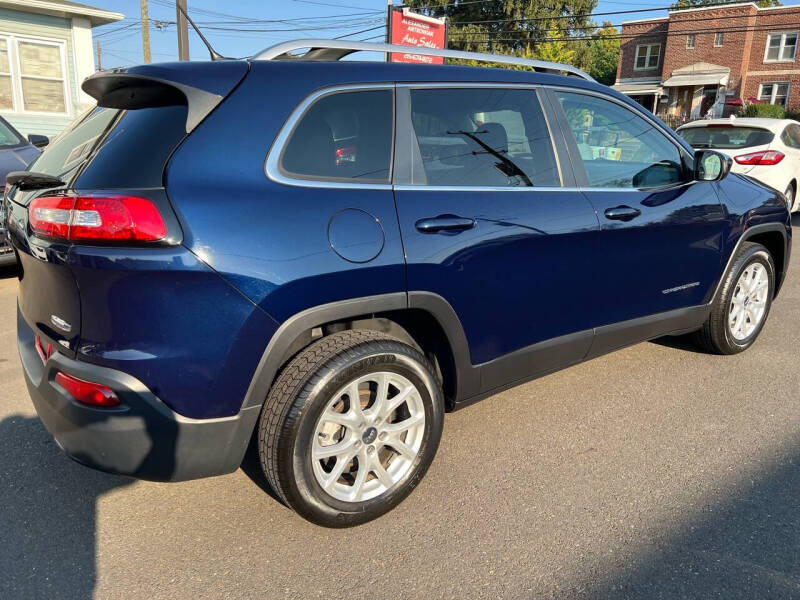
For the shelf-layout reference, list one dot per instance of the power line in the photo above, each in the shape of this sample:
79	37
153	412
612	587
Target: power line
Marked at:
382	26
483	37
454	26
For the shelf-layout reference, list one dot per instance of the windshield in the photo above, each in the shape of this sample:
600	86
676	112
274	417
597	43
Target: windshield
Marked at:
7	137
726	136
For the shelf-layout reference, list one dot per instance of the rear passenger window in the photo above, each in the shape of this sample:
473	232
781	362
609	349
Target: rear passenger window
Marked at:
344	136
492	137
619	148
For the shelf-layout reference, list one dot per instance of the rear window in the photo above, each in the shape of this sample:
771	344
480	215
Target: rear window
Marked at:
726	137
345	136
113	148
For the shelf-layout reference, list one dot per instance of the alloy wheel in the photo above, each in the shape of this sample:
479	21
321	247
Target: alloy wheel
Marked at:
368	436
749	301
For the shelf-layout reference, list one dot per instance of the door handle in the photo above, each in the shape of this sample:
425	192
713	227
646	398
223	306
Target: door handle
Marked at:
444	223
622	213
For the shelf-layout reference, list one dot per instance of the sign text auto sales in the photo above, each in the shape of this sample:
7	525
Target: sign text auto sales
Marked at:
411	29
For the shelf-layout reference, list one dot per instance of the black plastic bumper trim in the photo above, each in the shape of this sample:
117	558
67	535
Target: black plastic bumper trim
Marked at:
143	438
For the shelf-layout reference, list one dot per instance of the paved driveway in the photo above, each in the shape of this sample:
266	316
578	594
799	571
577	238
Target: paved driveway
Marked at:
653	472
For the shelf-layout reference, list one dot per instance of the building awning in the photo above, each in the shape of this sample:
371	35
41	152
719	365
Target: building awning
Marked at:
697	79
637	88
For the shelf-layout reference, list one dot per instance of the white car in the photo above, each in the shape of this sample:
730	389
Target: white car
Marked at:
765	149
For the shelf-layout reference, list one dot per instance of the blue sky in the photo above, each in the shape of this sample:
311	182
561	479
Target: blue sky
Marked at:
121	42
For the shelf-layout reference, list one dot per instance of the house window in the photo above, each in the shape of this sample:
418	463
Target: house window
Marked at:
781	47
690	41
6	87
647	56
774	93
719	37
41	77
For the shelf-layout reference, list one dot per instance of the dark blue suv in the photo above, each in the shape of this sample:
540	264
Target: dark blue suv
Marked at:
322	257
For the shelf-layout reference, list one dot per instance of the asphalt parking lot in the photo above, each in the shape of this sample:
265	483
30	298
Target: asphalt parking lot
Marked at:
655	472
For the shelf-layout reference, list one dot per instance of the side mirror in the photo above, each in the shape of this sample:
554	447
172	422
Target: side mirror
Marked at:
711	166
40	141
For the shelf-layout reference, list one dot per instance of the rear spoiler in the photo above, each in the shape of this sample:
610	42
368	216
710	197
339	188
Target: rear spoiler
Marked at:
201	86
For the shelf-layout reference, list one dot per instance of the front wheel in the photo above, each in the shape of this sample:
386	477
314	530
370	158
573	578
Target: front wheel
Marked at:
350	427
742	305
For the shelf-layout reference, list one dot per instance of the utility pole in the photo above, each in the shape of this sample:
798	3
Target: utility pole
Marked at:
183	30
145	32
99	58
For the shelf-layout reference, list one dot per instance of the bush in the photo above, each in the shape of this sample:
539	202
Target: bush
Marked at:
793	113
768	111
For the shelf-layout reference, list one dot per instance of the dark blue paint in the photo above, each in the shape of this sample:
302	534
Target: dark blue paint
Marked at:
520	263
166	318
675	241
192	321
356	235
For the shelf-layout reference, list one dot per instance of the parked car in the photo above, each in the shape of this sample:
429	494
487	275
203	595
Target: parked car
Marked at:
15	153
765	149
201	268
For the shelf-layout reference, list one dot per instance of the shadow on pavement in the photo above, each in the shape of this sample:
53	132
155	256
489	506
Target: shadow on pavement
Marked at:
251	466
47	515
746	547
679	342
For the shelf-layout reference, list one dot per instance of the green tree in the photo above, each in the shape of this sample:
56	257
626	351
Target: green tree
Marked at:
604	54
555	49
512	26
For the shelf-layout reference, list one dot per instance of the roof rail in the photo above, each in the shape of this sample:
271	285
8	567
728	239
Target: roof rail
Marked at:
332	50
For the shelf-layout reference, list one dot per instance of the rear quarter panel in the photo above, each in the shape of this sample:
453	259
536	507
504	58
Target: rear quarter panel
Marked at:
268	239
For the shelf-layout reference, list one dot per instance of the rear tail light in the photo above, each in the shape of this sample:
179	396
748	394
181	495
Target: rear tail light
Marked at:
762	157
97	218
87	392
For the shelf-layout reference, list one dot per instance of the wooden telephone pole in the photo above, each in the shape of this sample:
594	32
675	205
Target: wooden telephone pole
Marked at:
183	30
145	32
99	57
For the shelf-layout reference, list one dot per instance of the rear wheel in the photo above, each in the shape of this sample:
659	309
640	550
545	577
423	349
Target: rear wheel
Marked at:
742	305
350	427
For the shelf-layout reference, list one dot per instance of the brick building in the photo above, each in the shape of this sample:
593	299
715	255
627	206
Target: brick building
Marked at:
702	60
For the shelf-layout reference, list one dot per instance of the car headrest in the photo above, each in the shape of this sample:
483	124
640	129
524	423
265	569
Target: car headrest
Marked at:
495	136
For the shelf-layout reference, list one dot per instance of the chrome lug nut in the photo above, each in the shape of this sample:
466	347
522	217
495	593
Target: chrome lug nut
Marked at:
382	436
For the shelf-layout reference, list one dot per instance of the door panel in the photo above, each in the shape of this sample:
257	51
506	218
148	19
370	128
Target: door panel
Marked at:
517	266
666	258
660	245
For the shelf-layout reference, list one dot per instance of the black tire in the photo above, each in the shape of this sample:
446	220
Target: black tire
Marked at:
715	335
790	197
301	394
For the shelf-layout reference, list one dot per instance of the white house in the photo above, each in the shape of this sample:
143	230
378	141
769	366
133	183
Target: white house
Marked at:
45	53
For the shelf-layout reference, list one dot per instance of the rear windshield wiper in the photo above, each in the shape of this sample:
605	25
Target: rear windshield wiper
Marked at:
31	180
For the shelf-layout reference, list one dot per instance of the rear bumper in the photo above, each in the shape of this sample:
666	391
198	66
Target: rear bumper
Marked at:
143	438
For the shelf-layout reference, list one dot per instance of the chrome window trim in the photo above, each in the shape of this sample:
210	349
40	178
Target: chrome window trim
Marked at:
464	188
272	162
478	188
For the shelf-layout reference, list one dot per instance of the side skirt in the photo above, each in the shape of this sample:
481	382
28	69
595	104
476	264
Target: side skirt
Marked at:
558	353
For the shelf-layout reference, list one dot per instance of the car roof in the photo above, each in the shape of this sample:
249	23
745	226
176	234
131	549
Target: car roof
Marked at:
774	125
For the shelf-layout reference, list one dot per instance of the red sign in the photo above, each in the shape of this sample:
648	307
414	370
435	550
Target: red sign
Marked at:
411	29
